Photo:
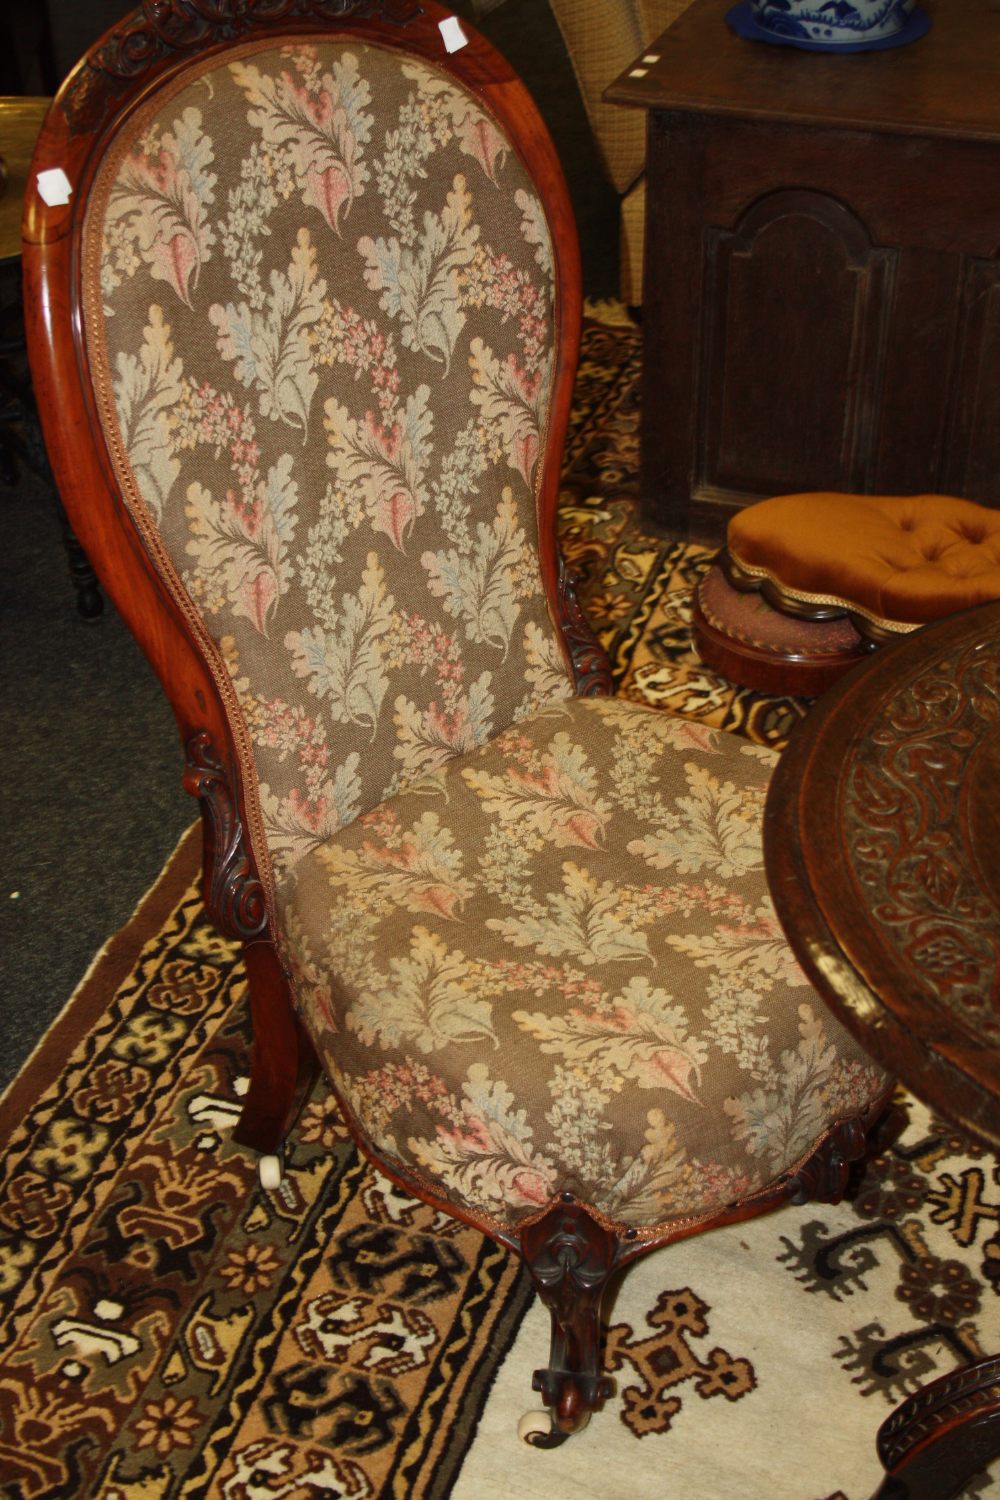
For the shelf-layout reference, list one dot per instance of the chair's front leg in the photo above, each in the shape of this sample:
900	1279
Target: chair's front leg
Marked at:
571	1258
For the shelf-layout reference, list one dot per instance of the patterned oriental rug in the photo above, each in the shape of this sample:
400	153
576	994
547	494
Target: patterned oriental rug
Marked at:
170	1330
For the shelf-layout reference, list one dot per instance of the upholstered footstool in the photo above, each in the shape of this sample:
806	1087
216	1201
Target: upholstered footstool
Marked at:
808	584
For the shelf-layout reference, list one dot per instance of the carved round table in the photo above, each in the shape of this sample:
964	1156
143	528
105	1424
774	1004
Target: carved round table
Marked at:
882	842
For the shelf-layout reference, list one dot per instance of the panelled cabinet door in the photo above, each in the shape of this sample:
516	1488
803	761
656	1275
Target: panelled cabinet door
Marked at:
793	333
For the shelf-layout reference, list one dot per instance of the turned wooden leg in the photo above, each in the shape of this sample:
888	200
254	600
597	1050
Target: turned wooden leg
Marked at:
938	1438
571	1258
283	1063
89	599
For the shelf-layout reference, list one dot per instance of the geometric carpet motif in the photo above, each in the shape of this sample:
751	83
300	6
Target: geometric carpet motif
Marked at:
636	588
167	1329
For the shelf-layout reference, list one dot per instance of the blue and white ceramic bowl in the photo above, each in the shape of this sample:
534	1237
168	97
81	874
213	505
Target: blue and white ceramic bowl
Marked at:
830	25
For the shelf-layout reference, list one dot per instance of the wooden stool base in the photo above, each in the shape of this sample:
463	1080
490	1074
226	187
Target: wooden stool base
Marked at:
744	639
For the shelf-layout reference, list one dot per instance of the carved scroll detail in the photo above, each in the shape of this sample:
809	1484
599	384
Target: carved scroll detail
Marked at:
571	1257
163	27
233	895
959	1396
823	1178
591	668
903	819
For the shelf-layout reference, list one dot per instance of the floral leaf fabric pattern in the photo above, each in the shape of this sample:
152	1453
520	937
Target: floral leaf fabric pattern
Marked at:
507	399
425	1001
489	1152
272	350
450	108
418	869
583	920
481	586
428	737
711	829
546	666
779	1121
529	934
359	273
319	122
147	387
344	664
385	467
533	228
640	1034
327	799
582	1017
158	212
552	795
243	556
420	284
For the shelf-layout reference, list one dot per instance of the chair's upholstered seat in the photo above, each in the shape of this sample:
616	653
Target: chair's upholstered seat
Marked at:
896	561
553	964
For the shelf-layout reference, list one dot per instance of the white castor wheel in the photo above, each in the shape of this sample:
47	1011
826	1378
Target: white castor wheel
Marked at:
532	1425
536	1429
269	1172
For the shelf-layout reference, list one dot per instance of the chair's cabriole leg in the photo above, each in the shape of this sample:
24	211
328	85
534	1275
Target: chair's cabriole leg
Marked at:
571	1258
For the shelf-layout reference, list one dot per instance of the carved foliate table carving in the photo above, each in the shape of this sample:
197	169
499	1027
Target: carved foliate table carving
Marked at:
882	840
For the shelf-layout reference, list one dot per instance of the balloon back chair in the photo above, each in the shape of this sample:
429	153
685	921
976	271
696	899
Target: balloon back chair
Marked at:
303	300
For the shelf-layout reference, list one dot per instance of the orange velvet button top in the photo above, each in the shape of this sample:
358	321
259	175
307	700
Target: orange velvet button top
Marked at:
898	561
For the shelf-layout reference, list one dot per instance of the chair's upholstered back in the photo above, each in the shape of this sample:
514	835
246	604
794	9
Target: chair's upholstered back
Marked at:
319	313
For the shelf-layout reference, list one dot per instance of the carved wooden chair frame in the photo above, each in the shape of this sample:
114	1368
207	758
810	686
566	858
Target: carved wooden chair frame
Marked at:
570	1252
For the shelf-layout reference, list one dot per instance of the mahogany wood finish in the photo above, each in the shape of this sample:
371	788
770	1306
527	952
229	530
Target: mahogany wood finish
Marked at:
143	53
796	673
880	837
572	1258
822	267
283	1065
787	603
801	662
938	1439
591	667
569	1253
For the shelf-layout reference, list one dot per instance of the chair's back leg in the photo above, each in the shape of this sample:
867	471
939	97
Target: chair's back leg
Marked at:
283	1063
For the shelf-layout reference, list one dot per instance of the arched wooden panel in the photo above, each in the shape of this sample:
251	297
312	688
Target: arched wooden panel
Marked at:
793	336
972	456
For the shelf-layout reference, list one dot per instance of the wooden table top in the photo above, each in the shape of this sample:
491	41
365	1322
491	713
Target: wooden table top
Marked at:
20	121
946	84
882	842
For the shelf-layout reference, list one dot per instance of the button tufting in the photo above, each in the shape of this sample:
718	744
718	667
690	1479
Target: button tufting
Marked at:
894	559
